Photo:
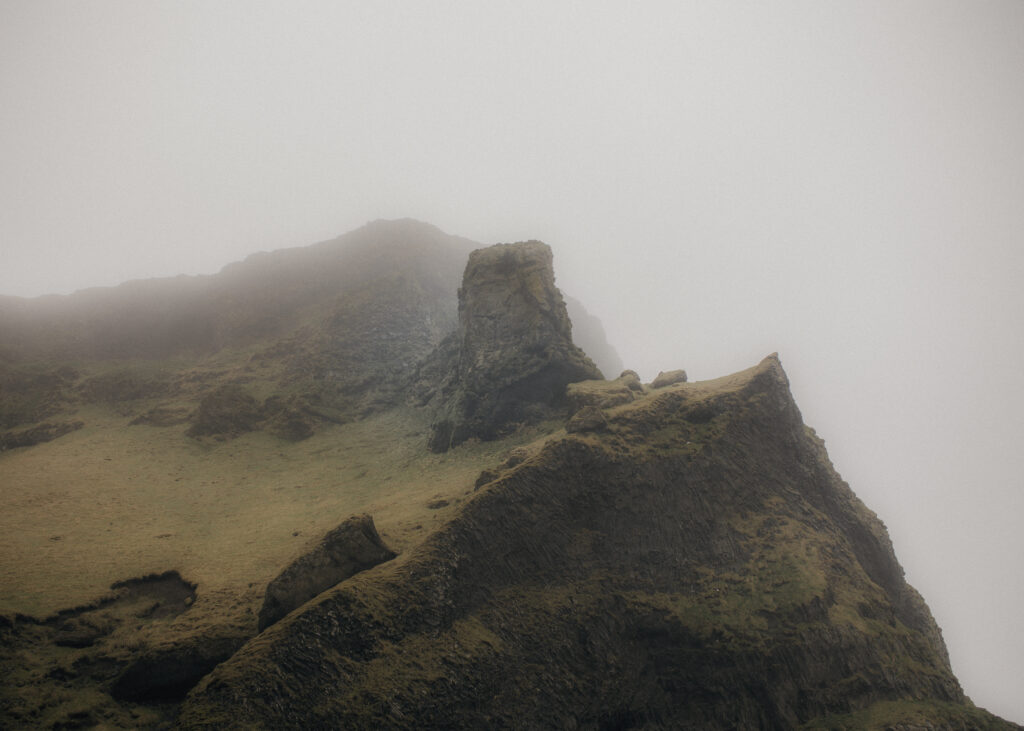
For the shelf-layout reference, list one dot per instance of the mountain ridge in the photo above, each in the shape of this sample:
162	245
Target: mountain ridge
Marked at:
475	598
617	555
253	298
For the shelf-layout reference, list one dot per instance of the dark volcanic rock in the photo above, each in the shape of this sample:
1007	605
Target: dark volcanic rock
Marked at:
698	564
352	547
513	355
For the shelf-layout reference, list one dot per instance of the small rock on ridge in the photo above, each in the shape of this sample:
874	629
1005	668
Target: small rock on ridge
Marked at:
669	378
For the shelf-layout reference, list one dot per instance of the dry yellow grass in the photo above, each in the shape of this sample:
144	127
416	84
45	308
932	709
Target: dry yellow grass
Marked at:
113	501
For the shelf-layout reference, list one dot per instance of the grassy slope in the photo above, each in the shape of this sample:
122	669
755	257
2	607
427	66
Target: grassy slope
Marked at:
113	501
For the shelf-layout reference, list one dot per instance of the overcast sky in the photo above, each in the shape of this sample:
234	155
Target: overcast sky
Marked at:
841	182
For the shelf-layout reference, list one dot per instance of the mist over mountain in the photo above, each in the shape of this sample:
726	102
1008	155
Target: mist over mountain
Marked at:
379	482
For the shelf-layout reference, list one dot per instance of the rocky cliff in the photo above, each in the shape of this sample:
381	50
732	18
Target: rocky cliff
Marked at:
587	553
695	563
512	356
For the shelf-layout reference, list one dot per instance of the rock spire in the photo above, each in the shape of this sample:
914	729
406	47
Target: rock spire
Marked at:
512	355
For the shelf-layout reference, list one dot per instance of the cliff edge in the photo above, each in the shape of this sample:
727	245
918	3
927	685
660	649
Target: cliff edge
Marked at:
695	563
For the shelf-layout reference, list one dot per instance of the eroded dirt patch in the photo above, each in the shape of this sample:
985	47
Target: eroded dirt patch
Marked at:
167	594
60	671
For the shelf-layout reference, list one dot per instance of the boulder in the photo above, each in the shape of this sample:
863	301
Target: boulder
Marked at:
352	547
632	380
602	394
669	378
605	394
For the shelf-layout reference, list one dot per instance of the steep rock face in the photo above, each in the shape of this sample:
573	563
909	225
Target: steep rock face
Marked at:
513	354
696	563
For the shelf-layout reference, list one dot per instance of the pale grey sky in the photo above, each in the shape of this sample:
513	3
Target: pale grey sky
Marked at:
841	182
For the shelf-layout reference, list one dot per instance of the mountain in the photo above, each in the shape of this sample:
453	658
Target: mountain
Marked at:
330	326
378	483
694	562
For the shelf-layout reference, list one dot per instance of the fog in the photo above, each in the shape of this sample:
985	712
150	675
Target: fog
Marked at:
839	182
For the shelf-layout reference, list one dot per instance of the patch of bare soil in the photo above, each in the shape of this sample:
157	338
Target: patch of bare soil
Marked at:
64	671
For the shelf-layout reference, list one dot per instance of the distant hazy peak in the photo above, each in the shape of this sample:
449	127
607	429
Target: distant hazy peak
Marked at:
589	334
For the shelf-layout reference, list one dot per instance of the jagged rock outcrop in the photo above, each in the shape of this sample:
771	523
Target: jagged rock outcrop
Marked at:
512	356
696	564
352	547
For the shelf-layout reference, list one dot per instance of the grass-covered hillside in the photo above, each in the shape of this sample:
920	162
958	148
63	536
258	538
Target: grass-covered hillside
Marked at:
691	561
610	555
